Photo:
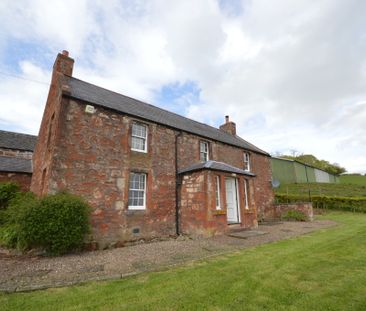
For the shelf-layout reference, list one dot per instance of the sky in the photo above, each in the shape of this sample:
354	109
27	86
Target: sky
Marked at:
291	74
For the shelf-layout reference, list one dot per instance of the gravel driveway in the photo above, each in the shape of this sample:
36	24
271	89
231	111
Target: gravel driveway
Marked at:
22	273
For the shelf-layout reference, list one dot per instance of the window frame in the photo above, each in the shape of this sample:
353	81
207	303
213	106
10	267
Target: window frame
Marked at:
217	193
139	137
207	152
137	207
50	130
246	194
246	158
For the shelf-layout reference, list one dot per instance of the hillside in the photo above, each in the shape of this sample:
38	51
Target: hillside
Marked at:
353	179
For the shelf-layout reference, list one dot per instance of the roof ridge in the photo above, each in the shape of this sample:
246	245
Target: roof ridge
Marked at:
18	133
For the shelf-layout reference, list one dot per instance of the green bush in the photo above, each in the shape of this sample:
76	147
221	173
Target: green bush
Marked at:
8	191
57	223
293	215
353	204
11	231
9	234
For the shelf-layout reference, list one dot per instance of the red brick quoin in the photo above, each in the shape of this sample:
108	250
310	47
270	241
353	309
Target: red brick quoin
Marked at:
84	146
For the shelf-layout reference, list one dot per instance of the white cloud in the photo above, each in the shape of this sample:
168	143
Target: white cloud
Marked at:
290	73
22	101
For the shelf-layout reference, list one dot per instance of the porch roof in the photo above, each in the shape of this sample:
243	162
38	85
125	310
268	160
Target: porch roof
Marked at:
215	166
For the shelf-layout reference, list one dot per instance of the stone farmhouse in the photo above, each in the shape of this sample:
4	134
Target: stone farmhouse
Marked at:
147	172
16	152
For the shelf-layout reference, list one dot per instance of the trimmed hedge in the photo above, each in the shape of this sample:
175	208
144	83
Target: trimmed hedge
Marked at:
56	223
352	204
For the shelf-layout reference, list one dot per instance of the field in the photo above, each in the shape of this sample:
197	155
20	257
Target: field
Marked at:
325	270
353	179
341	189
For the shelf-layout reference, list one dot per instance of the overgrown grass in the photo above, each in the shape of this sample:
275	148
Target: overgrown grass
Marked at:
325	270
353	179
342	190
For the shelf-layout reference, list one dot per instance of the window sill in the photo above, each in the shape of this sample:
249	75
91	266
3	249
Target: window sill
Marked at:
219	212
136	208
139	151
249	210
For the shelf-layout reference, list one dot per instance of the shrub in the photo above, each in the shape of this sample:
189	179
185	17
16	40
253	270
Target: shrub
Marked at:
8	191
9	234
57	223
11	231
293	215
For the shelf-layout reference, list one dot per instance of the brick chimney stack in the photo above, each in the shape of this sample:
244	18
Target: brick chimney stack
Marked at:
229	126
63	64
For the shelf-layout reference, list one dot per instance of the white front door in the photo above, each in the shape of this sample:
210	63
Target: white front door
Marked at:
232	201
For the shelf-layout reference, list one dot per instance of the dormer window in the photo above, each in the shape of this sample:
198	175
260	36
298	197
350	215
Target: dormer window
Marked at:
204	156
246	161
139	137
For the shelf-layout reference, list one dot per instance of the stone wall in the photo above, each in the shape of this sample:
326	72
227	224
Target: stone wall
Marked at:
51	126
93	158
16	153
277	210
22	179
260	165
198	213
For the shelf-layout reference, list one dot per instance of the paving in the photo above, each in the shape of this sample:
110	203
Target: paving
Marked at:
246	234
27	272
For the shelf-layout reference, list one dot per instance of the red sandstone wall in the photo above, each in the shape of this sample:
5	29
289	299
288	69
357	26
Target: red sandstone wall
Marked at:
48	135
198	212
22	179
198	215
263	192
93	158
261	186
277	210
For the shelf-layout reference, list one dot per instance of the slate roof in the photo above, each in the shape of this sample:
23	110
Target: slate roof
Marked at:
215	166
19	141
121	103
19	165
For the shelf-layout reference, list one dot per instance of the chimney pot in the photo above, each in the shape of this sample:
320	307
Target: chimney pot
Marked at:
66	53
228	126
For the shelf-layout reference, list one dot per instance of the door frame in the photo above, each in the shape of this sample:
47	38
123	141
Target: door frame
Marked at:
238	214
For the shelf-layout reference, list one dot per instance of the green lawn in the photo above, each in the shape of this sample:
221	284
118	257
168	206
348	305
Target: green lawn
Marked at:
353	179
325	270
343	190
